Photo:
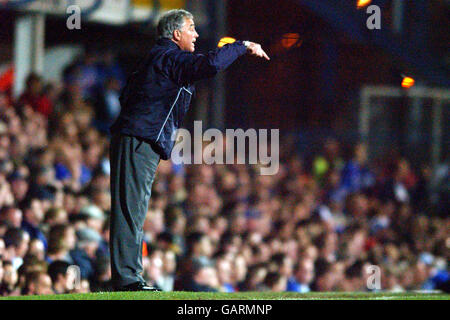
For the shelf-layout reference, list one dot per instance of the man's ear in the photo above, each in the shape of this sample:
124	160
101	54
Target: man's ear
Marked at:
177	35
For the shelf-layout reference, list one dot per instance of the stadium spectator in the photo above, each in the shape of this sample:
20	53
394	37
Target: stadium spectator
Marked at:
9	281
255	277
16	246
37	249
153	268
55	216
85	252
35	97
102	277
328	161
204	277
303	276
37	283
61	241
356	176
93	216
33	217
167	280
240	270
275	282
63	280
224	273
11	216
19	185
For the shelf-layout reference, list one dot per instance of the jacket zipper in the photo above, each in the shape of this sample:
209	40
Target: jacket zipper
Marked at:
170	111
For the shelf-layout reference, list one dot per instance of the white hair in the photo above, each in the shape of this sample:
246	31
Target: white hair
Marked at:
172	20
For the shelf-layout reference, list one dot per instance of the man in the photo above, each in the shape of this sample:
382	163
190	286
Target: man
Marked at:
166	282
38	283
9	281
275	282
85	254
93	216
36	248
304	275
12	216
62	240
154	102
224	273
204	276
33	215
61	278
16	246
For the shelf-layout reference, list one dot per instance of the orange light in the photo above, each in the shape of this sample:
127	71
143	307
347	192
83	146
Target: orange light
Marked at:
290	40
363	3
225	40
407	82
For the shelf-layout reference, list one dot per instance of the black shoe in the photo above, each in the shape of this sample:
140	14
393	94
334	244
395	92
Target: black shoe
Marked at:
138	286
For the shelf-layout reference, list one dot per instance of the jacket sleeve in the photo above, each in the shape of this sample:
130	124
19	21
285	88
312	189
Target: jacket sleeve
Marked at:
187	67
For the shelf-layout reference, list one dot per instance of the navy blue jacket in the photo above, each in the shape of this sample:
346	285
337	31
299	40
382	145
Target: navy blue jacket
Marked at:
158	93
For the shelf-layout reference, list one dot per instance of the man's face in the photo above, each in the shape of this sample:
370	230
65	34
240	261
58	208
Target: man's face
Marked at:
170	262
43	285
305	272
286	267
14	217
37	248
23	247
36	211
70	238
224	271
186	36
206	247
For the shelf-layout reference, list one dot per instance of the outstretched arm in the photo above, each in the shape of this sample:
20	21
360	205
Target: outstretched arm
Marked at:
188	67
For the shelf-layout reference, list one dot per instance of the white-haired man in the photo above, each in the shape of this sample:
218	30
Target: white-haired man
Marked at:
154	102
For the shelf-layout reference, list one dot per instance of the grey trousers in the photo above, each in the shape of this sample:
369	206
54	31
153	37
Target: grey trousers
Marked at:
133	168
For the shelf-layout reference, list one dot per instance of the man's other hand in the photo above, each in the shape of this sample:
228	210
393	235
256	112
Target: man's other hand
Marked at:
256	50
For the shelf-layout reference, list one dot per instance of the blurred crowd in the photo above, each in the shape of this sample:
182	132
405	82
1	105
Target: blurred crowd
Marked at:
320	224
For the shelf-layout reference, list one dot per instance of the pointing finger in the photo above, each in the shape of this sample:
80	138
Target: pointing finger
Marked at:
265	54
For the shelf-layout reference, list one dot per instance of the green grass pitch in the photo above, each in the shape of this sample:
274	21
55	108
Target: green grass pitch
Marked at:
181	295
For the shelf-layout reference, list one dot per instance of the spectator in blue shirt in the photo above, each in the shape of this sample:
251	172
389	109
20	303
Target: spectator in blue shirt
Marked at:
85	254
303	276
355	175
33	217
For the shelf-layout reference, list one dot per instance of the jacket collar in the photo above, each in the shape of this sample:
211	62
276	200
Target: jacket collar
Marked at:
167	43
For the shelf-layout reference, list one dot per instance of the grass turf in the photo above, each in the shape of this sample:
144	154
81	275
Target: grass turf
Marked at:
182	295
